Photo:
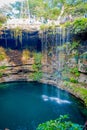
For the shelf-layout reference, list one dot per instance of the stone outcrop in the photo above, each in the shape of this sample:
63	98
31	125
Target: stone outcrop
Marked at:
82	78
82	64
14	67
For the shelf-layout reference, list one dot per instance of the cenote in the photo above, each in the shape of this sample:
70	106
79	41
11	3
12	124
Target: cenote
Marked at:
24	105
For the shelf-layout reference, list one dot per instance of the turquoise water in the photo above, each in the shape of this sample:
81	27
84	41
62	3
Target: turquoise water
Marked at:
23	105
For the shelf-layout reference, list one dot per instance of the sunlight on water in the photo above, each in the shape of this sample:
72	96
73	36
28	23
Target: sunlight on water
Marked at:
57	100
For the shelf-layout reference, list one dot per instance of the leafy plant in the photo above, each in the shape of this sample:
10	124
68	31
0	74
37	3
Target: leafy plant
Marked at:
77	89
74	45
77	8
3	67
2	54
61	123
37	75
37	58
79	25
36	67
83	56
25	55
1	74
73	80
75	71
17	33
2	19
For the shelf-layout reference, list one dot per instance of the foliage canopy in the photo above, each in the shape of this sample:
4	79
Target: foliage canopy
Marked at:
59	124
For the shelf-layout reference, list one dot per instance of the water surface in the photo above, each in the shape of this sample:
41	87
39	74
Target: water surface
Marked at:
23	105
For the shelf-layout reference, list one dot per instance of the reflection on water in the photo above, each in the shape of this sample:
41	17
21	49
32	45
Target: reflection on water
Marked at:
54	99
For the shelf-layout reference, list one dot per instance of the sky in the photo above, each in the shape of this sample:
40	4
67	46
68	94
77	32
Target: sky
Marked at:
4	2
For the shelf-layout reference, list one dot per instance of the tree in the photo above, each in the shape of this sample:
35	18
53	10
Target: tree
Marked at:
2	19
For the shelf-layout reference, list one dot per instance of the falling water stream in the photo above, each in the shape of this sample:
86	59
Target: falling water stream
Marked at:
52	47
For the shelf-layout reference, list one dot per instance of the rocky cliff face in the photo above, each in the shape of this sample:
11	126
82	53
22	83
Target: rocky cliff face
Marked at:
14	67
17	66
16	54
82	64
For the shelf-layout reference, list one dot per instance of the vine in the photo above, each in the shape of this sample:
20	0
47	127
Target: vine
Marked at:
17	33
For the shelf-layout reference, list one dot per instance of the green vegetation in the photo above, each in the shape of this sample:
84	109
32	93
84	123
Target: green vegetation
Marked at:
77	8
2	19
46	9
17	32
2	69
73	51
1	74
37	75
45	27
74	45
71	74
40	8
51	9
75	71
73	80
2	54
62	123
77	89
79	25
37	58
83	56
25	55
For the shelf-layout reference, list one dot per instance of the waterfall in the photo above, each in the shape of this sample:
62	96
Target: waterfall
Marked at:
67	39
42	44
5	37
52	52
63	36
58	40
20	38
0	35
57	58
27	35
68	35
60	44
46	54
